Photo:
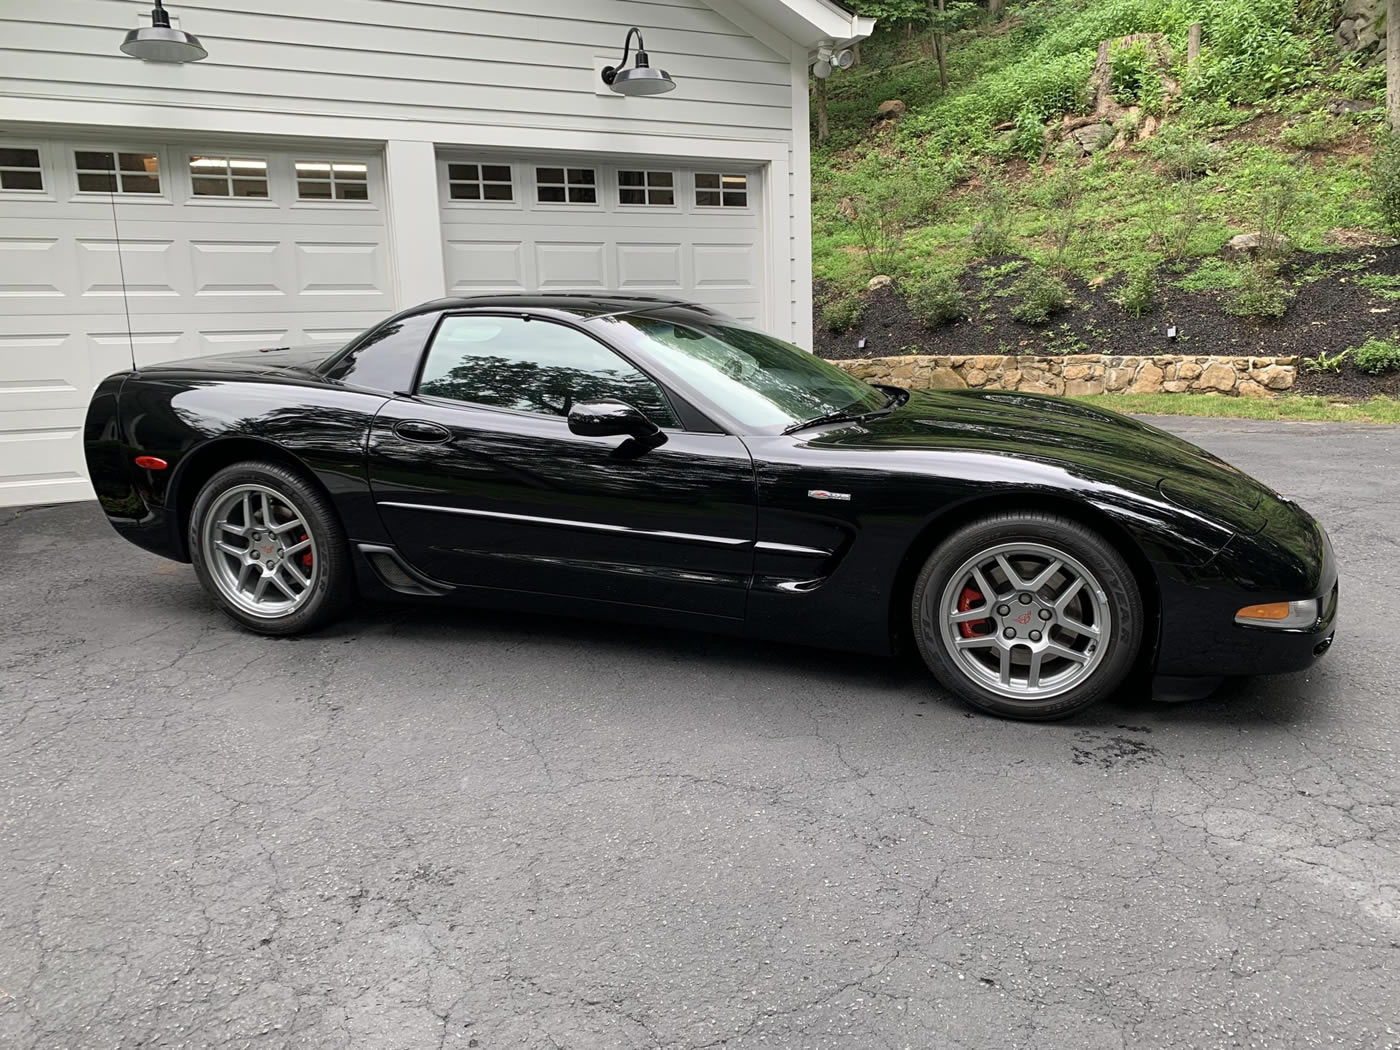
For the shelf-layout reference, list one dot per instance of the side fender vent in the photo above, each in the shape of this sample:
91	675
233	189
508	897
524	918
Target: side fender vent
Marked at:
398	575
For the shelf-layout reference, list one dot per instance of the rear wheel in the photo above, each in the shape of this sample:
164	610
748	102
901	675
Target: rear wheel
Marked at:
267	545
1027	615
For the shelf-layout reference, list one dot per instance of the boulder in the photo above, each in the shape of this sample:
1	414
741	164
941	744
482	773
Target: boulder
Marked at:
1148	381
1218	376
1249	388
942	378
1274	377
976	377
1361	27
892	109
1092	137
880	281
1253	245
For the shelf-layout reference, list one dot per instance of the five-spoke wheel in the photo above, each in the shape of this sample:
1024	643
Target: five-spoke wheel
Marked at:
259	552
268	545
1028	615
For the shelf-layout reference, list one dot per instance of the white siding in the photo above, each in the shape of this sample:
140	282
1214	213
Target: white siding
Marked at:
527	62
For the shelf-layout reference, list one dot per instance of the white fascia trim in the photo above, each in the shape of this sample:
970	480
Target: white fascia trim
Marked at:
126	116
828	19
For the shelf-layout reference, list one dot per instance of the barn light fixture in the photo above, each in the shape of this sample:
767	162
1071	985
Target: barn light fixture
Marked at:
158	42
641	79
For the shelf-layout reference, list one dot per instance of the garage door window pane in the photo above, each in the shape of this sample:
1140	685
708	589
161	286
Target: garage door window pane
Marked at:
721	191
322	180
20	170
566	185
479	182
533	366
228	177
117	172
646	188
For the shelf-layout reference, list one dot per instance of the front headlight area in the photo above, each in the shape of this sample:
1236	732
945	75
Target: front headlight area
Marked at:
1282	616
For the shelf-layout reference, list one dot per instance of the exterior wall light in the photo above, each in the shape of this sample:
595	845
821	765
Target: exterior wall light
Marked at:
160	43
641	79
828	59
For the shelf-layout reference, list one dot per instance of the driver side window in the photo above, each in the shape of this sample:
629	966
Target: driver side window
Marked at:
533	366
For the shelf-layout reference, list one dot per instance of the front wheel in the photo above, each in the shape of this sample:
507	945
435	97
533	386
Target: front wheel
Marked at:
268	546
1027	615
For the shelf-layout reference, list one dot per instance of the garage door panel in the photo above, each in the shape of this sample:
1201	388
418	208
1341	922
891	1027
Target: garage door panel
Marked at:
650	267
32	268
477	267
565	266
233	268
340	268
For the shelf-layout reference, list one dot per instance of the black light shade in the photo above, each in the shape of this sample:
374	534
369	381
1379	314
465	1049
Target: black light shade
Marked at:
160	43
641	79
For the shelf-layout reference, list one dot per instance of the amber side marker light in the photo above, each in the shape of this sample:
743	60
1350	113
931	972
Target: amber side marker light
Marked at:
1279	614
151	463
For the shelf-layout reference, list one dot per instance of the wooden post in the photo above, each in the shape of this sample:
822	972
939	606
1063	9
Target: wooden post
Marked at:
1392	64
823	128
1193	45
938	43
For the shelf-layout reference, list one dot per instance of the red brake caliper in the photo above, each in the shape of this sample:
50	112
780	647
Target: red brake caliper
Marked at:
971	628
306	558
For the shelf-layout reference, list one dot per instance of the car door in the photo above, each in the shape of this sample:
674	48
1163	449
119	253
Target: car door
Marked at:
480	482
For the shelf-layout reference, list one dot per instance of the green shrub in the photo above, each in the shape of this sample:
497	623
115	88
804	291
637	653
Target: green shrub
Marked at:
1279	203
843	314
1377	356
1183	153
1134	77
937	301
992	233
1315	132
1137	295
1259	294
1252	50
1040	295
1385	181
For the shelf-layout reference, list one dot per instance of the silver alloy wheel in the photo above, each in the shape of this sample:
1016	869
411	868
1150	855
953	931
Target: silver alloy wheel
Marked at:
259	551
1024	620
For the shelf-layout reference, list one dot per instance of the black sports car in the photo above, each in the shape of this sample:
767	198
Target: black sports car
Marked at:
649	460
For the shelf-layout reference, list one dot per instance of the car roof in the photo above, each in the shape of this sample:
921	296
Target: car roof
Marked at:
580	305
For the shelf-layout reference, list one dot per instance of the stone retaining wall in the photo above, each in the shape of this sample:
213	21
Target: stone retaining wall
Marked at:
1083	373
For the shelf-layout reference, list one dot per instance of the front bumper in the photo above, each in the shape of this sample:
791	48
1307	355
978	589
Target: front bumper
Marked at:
1199	637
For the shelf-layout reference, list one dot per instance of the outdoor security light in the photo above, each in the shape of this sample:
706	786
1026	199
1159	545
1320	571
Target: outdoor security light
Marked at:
160	43
827	60
641	79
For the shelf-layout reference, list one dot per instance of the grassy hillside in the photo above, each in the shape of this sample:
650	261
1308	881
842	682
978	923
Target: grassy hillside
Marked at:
983	219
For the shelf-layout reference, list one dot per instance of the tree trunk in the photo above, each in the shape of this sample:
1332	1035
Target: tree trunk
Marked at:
1193	45
1392	64
994	7
823	128
940	49
855	50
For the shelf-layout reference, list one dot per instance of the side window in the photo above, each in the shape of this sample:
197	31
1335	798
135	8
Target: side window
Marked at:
533	366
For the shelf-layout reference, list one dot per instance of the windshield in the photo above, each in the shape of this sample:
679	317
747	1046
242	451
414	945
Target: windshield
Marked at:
760	381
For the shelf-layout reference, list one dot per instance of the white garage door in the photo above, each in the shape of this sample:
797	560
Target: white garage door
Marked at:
557	224
219	248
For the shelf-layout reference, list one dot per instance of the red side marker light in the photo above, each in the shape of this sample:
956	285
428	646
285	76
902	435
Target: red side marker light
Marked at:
151	462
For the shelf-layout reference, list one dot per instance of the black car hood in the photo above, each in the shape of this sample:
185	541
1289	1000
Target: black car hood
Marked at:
273	360
1089	442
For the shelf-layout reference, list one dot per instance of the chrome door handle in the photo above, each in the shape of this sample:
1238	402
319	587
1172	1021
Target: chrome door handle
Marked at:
421	431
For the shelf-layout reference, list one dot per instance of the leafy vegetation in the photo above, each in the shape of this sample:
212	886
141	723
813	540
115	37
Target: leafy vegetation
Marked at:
1377	356
937	300
1243	141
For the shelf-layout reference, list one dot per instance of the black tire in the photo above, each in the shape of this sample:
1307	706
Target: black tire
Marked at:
331	574
1116	601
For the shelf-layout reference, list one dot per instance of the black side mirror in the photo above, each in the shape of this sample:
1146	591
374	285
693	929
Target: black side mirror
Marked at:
611	418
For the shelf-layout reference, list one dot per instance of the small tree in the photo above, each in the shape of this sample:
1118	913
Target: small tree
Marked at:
945	17
1392	64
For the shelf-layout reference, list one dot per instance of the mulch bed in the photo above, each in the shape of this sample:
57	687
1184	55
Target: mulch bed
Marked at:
1330	313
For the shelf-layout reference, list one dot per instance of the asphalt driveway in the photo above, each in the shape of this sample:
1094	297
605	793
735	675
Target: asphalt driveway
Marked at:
491	831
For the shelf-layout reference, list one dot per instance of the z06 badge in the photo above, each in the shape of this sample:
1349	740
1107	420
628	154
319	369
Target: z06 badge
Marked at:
824	494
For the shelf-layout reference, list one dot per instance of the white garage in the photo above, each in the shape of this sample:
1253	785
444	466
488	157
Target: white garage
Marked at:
332	161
